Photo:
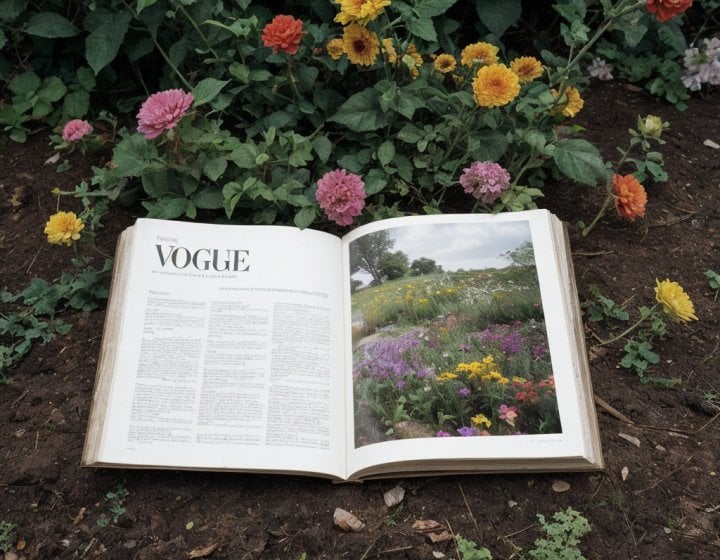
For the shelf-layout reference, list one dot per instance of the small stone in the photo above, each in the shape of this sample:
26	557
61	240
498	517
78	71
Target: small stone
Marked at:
438	554
394	497
710	144
561	486
660	448
347	521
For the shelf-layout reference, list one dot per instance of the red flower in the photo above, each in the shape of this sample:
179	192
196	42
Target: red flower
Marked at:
666	9
283	33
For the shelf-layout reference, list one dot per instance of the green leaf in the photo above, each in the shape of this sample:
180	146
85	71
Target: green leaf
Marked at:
76	104
244	156
50	25
167	208
132	155
422	28
487	145
103	43
142	4
432	8
156	183
386	152
323	147
410	134
240	71
24	83
206	90
52	89
580	161
498	15
305	217
3	39
86	78
361	113
214	168
209	198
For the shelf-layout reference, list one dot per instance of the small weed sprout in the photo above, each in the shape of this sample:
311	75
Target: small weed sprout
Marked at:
468	550
562	535
7	535
117	508
713	281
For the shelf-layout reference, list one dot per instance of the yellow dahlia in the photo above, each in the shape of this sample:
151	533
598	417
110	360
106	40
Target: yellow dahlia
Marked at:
495	85
359	11
413	60
573	102
527	68
63	228
389	50
674	300
445	63
479	53
360	45
334	48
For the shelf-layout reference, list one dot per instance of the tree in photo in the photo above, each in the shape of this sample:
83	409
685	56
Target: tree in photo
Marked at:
367	252
424	265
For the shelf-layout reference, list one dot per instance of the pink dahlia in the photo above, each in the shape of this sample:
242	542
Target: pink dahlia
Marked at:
341	195
162	111
485	180
76	129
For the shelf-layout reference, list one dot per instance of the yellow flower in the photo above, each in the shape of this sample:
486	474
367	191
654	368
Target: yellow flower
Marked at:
413	60
389	50
527	68
334	48
495	85
360	45
63	228
573	102
445	63
445	376
479	53
674	300
359	11
480	419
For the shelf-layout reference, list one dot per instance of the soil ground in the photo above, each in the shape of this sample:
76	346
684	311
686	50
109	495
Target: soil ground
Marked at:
667	507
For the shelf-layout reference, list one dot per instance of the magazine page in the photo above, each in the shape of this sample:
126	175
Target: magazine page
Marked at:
230	351
461	345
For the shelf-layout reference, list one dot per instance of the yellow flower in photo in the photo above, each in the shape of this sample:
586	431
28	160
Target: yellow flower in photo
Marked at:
481	419
527	68
389	50
63	228
334	48
359	11
445	63
479	53
495	85
674	300
360	45
413	60
573	102
446	376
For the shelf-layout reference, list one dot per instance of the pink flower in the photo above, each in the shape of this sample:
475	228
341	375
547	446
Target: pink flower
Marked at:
341	195
76	129
485	180
162	111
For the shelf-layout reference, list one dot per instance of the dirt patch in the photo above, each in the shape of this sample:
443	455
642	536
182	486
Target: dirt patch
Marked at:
666	508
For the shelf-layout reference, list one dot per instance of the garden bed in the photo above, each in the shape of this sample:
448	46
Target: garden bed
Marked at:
656	500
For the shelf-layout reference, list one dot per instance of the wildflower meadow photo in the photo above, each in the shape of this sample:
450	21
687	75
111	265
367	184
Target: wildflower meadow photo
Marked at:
332	115
449	334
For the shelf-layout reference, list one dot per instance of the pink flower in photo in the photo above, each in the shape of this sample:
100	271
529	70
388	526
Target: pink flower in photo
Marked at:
508	414
485	180
162	111
341	195
75	130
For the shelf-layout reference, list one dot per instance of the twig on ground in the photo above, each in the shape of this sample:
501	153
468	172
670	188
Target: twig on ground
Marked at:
662	479
467	505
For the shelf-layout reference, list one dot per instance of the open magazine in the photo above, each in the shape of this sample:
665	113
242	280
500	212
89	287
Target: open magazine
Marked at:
417	345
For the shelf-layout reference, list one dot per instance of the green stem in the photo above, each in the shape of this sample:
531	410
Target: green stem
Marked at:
629	329
170	63
197	29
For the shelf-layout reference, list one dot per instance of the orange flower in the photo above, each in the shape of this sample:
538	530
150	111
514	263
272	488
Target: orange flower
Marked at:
283	33
630	196
479	53
527	68
495	85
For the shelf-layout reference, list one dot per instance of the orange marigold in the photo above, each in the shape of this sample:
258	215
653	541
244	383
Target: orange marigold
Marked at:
334	48
483	53
360	45
445	63
495	85
283	33
527	68
573	102
630	196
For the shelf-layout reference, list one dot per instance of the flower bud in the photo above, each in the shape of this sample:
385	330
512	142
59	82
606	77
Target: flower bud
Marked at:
651	126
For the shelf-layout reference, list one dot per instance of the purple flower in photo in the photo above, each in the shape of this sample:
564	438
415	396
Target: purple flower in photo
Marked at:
464	391
442	433
466	431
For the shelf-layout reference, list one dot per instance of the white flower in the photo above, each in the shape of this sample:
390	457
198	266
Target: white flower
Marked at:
600	69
